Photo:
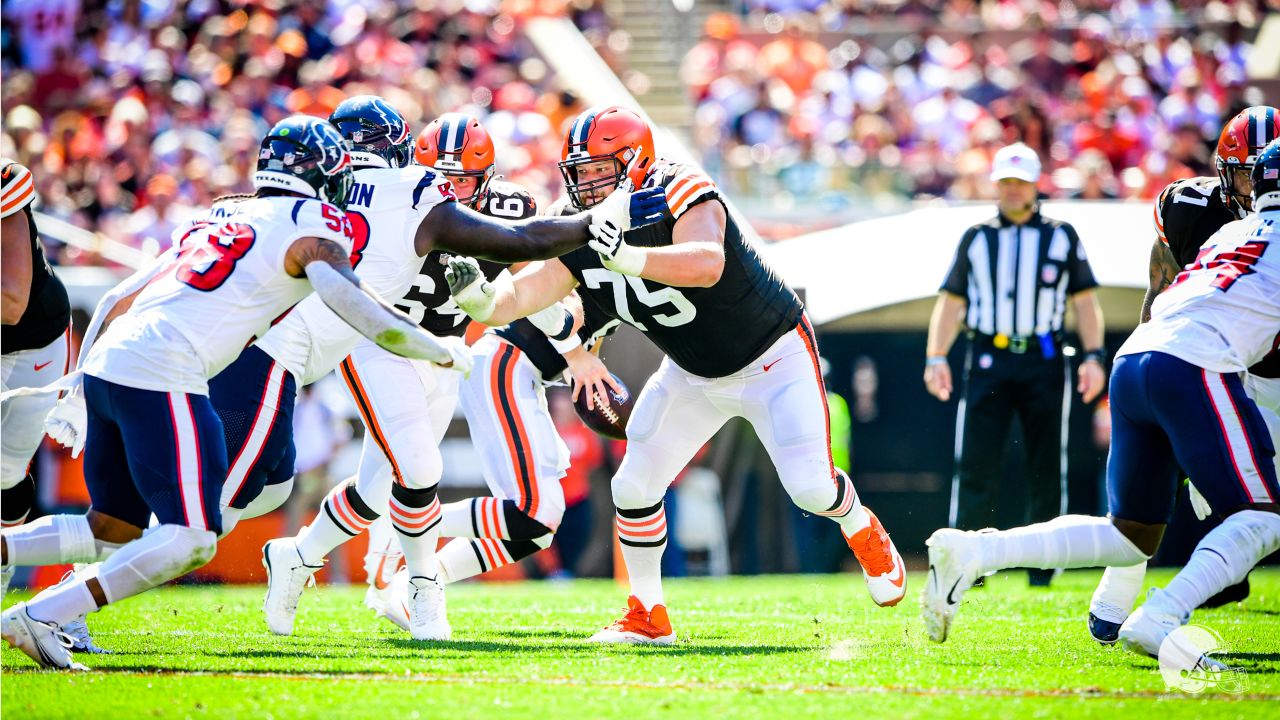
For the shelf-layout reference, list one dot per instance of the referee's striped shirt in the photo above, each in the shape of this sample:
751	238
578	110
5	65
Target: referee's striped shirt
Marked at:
1017	278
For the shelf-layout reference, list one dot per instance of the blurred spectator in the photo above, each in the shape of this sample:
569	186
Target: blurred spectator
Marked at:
150	227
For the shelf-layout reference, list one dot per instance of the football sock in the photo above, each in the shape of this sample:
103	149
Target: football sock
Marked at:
489	517
1070	541
1119	587
1223	558
54	539
16	502
643	536
343	516
63	602
462	558
415	515
847	509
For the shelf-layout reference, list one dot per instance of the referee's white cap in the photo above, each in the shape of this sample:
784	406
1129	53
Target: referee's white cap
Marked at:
1016	161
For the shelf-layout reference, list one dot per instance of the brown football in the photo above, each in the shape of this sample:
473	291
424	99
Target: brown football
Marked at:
609	417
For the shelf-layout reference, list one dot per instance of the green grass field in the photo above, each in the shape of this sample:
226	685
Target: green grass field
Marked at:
789	647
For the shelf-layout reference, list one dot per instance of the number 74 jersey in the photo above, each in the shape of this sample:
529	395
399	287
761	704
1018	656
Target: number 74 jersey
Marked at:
224	284
1222	313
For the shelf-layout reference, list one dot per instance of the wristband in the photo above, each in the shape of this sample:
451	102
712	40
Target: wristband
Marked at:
935	360
1099	356
628	260
569	344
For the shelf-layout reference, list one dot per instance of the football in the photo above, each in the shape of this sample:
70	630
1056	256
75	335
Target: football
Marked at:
609	416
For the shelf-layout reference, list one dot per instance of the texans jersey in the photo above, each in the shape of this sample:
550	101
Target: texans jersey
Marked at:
1187	213
224	284
710	332
1223	312
386	206
48	311
428	301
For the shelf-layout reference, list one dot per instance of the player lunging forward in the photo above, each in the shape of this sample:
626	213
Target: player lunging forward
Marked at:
1176	400
737	343
153	441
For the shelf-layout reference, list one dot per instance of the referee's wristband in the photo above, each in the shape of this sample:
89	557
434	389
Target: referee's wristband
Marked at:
1099	356
935	360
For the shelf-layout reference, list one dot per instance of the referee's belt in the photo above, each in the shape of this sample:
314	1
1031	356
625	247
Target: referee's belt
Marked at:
1048	345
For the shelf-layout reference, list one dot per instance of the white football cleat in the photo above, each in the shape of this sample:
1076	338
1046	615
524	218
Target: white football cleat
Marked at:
287	576
81	640
953	568
380	568
41	641
6	574
427	619
395	609
1149	625
882	568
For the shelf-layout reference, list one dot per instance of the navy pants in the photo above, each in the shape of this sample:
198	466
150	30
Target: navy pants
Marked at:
148	452
1166	413
254	397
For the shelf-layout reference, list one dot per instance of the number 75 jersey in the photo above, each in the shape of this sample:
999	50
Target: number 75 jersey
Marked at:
224	285
1222	313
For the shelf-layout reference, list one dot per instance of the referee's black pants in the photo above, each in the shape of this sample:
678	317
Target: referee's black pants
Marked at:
999	385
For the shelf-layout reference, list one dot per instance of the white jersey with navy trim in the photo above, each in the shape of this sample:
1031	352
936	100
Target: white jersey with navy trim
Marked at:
225	285
386	207
1223	312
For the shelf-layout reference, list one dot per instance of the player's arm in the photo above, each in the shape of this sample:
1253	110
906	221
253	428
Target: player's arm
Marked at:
508	298
458	229
1162	270
327	266
695	257
1090	325
15	266
944	326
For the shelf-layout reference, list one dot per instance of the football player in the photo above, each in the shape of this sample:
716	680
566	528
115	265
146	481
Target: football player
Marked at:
154	443
523	457
1187	213
1177	401
736	340
404	405
36	345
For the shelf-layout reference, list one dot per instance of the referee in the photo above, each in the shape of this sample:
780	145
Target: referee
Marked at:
1010	284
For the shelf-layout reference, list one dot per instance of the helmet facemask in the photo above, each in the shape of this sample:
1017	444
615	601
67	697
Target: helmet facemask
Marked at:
578	190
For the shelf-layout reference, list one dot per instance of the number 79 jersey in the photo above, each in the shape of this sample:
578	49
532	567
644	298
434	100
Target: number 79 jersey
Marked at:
225	285
710	332
1223	312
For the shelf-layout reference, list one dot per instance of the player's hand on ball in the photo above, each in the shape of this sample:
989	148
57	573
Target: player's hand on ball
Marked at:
468	286
588	372
937	379
68	423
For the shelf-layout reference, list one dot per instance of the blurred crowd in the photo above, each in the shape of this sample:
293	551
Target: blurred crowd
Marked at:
132	112
872	99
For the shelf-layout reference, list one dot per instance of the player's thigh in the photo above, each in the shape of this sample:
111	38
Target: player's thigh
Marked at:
177	454
1266	394
254	399
442	399
107	475
22	418
672	419
393	398
1222	442
1142	472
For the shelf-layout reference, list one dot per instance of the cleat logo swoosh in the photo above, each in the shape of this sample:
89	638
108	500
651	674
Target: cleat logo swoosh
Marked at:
43	365
950	600
769	365
378	582
902	575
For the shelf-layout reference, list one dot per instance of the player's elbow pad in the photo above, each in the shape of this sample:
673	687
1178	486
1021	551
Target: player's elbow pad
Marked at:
390	330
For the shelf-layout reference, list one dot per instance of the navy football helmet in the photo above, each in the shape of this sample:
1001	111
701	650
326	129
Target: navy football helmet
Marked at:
307	156
1266	178
378	133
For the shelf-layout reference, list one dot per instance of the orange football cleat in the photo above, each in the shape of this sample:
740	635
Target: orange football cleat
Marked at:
882	566
640	626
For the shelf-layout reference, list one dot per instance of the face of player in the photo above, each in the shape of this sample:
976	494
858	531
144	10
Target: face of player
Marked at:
465	187
592	172
1016	199
1242	185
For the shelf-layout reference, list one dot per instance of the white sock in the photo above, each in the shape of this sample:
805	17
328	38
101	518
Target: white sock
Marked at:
1223	558
163	553
230	518
50	540
643	536
343	515
415	514
63	602
1119	587
1070	541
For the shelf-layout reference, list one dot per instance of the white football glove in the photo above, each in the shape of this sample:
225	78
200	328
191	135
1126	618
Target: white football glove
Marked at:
68	423
609	221
460	354
1198	503
469	288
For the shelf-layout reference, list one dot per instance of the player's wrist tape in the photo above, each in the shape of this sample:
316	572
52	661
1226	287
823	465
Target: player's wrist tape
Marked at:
1099	356
556	322
628	260
935	360
564	345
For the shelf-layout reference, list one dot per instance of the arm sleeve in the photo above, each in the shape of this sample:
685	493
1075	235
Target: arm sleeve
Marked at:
1079	272
17	189
1158	213
687	187
127	287
957	280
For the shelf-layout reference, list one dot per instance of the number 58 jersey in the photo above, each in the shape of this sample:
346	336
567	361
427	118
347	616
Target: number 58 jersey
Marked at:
1223	312
224	285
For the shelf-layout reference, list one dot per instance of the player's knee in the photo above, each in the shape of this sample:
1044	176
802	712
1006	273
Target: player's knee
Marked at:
635	491
193	547
271	498
420	464
1144	538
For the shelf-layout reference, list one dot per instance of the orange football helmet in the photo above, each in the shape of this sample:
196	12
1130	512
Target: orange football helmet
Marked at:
612	133
1242	139
457	145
